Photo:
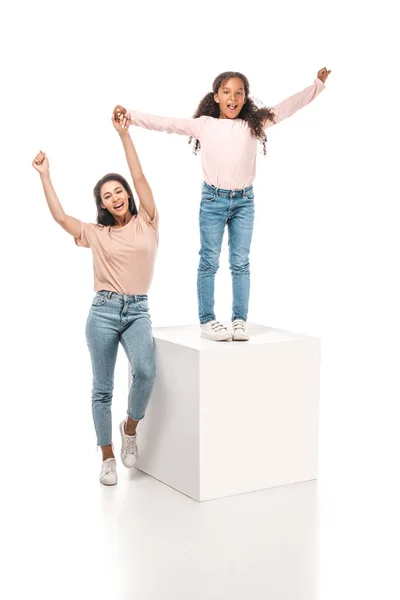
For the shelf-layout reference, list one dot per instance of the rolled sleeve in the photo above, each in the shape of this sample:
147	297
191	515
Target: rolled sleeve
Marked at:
85	235
152	222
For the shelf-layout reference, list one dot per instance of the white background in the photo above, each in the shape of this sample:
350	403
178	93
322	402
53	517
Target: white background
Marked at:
324	258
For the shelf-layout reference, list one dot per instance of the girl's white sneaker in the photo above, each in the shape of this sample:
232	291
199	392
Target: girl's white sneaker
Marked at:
215	331
240	333
108	474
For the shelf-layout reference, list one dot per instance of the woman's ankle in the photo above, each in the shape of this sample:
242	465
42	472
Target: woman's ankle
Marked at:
130	426
108	452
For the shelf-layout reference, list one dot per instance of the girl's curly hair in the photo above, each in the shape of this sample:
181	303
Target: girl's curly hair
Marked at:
254	116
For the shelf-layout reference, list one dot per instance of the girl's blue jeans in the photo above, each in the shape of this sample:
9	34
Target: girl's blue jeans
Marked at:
234	208
115	318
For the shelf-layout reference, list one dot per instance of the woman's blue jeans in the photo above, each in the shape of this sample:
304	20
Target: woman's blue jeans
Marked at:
115	318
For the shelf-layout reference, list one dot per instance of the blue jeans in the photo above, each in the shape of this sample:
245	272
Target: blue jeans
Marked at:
115	318
236	209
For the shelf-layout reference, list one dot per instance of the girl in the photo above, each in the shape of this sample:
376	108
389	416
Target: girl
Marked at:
124	244
227	125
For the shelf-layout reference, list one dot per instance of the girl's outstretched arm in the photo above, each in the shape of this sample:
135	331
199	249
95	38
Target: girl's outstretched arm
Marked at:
73	226
191	127
142	187
288	107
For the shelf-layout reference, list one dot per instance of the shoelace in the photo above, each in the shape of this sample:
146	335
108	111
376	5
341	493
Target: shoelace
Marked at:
217	326
130	447
109	466
238	325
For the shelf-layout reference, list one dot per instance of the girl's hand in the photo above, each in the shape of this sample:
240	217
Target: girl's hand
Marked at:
323	74
121	124
119	111
41	163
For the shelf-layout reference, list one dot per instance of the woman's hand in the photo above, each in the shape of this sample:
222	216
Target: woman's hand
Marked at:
121	124
323	74
41	163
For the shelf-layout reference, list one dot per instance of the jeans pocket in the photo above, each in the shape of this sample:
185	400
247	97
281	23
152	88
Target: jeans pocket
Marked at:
142	305
99	300
249	196
207	196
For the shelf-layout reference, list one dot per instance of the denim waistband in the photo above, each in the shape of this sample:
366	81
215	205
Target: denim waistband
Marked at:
126	297
230	193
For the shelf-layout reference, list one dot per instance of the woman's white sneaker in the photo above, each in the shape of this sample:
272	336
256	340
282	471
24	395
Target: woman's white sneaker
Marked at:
215	331
129	451
240	333
108	474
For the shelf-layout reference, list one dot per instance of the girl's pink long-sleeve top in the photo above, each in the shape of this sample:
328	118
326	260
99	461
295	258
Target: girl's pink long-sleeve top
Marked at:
228	148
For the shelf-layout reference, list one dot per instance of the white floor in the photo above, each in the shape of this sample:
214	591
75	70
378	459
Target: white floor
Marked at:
142	539
64	536
257	545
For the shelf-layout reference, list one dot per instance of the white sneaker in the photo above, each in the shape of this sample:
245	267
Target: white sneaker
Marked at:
108	474
240	333
215	331
129	451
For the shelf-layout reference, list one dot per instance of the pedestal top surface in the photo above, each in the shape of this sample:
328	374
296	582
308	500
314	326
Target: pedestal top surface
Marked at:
189	335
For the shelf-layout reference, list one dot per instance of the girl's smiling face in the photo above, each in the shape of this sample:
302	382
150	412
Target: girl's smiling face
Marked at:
231	98
115	199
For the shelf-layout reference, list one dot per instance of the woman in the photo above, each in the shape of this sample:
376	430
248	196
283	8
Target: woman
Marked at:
124	244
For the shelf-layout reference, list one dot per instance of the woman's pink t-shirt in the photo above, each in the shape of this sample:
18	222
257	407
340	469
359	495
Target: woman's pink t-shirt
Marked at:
124	257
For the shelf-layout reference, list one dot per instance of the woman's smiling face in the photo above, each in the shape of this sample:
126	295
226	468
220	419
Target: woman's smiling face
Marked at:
231	98
115	199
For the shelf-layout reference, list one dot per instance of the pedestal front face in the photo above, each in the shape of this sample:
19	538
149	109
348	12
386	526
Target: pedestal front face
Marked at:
258	417
229	418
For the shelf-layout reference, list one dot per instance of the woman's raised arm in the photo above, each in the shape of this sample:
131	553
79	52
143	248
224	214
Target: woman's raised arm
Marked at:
71	225
140	182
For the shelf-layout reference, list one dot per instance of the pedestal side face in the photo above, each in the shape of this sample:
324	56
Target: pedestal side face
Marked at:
168	437
258	416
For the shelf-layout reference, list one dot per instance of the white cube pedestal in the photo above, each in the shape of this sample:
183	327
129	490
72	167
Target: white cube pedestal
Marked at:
231	417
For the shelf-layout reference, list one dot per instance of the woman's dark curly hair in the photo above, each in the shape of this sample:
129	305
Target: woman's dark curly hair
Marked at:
255	116
104	217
